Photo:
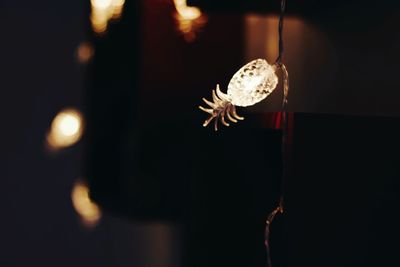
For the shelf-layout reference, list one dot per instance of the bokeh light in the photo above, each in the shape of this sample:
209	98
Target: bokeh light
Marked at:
185	11
103	11
101	4
84	52
88	211
66	129
189	20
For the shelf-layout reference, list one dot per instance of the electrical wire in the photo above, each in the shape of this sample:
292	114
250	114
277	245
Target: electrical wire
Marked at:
284	128
280	31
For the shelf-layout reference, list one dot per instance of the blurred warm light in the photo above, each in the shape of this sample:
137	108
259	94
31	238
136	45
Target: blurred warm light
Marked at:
189	19
118	8
87	210
84	52
103	11
185	11
66	129
101	4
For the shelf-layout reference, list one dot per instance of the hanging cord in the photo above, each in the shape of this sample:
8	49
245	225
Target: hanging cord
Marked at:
278	62
280	29
279	65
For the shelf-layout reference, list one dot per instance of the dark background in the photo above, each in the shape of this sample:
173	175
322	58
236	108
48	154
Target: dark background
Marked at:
342	57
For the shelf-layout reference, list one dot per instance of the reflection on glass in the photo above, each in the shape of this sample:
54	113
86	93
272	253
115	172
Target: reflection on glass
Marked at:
87	210
66	129
103	11
84	52
189	20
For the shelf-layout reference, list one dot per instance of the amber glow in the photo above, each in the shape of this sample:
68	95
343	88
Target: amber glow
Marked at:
103	11
84	52
185	11
189	19
87	210
66	129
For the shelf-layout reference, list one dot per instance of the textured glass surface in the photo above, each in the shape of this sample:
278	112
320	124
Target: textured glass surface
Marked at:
252	83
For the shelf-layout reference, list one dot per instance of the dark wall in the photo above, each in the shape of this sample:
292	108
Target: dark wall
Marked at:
343	194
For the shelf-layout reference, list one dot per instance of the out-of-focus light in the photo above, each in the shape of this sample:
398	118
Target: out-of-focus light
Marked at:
118	8
103	11
189	20
185	11
87	210
118	3
101	4
84	52
66	129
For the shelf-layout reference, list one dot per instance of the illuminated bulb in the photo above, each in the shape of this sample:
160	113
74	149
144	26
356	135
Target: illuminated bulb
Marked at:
66	129
250	85
89	212
69	126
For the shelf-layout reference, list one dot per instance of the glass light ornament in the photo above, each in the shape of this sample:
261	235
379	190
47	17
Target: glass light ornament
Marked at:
248	86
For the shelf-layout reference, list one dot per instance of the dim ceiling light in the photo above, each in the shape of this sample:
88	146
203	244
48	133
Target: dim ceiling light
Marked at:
66	129
87	210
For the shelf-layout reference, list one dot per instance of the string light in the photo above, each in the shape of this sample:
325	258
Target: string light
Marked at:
66	129
189	19
84	52
103	11
185	11
250	85
87	210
